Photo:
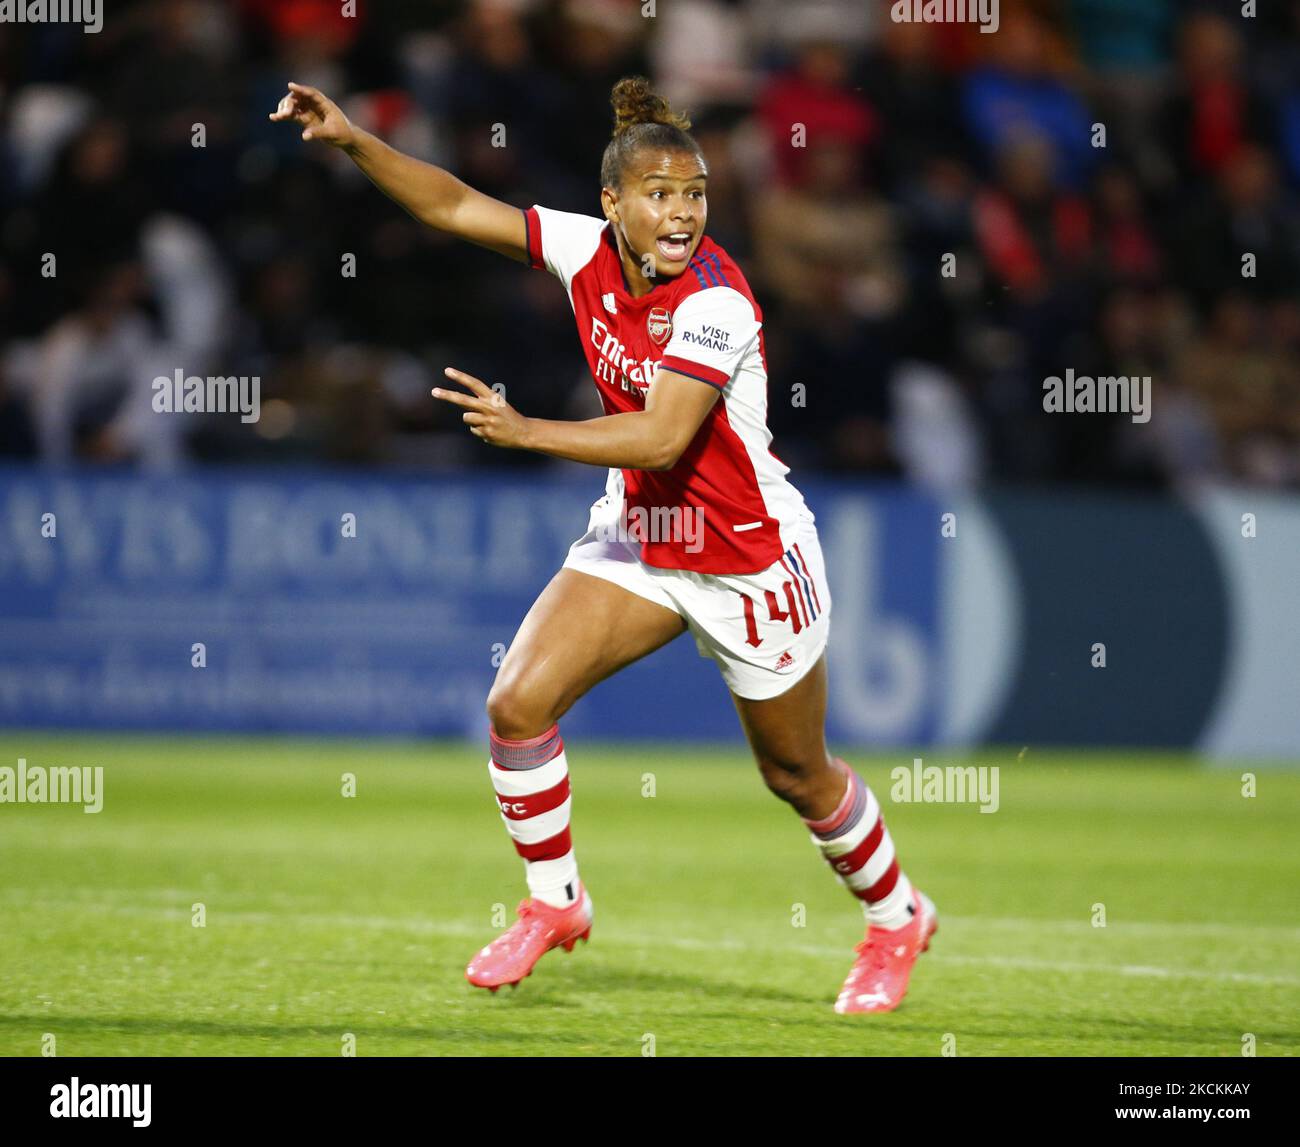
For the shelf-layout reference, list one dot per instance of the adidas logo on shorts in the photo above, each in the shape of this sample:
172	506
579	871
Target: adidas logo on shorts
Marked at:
784	662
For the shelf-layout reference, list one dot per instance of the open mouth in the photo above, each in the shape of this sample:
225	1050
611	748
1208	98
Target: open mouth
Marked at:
674	247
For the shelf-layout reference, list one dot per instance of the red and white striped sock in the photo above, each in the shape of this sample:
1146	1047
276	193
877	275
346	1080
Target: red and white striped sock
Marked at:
858	846
531	779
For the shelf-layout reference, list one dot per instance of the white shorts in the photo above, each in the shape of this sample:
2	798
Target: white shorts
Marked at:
765	630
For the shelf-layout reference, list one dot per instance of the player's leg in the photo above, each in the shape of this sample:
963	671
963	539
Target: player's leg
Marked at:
787	736
768	633
582	629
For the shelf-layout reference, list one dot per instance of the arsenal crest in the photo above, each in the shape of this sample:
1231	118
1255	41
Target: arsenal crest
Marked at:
659	325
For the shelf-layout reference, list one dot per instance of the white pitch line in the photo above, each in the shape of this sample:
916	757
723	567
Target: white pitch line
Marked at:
1281	932
186	896
1121	969
644	940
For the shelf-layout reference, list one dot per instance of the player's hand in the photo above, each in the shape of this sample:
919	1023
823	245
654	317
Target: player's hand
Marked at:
487	414
320	117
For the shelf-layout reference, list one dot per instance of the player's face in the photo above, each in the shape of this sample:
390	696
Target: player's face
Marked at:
660	212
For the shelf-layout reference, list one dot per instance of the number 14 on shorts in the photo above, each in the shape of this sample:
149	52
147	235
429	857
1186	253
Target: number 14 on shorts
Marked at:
774	612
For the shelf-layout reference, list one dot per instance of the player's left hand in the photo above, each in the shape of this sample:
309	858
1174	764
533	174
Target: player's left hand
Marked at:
487	414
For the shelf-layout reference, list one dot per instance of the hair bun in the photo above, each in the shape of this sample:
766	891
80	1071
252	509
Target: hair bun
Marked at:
635	101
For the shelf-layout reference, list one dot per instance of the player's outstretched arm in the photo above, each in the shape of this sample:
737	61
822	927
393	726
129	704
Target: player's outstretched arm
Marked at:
433	196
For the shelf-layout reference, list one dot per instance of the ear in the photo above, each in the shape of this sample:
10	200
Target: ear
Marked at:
609	203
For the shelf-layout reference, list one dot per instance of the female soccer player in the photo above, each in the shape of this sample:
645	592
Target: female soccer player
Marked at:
698	528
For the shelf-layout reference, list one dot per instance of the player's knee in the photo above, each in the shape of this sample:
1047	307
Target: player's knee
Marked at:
793	780
515	713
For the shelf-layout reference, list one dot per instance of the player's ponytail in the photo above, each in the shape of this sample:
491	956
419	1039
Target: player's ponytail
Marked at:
642	119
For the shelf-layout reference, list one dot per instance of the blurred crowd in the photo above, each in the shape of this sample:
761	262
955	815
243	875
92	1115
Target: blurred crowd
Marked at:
1107	186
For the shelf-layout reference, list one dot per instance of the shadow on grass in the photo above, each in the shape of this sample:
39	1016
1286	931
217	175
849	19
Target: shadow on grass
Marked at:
212	1029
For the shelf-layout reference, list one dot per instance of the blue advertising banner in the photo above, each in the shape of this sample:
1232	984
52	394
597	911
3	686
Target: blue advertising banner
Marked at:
353	603
363	603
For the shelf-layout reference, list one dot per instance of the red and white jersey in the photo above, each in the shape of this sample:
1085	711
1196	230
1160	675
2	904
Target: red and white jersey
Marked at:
703	323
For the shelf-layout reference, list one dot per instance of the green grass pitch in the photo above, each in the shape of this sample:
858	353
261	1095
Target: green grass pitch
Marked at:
328	916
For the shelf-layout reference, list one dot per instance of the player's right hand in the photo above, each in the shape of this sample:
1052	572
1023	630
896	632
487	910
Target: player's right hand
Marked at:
321	118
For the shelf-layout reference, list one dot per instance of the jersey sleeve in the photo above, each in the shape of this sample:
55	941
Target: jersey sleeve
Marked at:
561	242
712	331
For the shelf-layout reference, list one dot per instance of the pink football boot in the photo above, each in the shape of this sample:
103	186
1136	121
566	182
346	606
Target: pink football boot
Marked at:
511	956
878	979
